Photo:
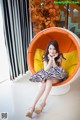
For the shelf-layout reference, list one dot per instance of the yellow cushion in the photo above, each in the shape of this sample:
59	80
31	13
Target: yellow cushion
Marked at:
38	64
38	54
71	59
71	69
69	64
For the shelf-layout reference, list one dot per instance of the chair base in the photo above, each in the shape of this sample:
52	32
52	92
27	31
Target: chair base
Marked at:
60	90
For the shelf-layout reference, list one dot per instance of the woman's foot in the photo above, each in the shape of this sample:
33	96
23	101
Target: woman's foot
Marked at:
39	108
30	112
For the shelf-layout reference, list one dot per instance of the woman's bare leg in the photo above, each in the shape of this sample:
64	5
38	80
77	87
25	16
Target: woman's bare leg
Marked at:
45	88
48	89
41	91
46	93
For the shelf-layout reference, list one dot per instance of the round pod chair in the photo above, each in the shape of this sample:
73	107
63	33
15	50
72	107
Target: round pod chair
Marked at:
69	45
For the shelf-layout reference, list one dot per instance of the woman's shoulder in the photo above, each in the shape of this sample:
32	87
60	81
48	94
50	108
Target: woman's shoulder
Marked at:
44	58
61	55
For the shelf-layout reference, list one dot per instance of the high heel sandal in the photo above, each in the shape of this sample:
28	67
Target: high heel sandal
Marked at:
39	109
29	112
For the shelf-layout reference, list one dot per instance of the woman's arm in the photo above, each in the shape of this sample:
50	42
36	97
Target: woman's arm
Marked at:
47	65
54	63
50	63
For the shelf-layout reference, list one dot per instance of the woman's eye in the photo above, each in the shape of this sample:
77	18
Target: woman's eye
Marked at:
50	48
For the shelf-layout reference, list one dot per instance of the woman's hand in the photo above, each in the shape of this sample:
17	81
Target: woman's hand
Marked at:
56	55
52	57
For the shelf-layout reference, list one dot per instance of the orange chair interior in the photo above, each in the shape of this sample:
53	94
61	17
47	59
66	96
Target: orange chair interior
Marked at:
64	39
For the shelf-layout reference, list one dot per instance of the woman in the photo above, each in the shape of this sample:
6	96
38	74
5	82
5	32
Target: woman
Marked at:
51	74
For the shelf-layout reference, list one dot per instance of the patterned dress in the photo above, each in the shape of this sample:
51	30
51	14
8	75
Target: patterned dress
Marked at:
53	72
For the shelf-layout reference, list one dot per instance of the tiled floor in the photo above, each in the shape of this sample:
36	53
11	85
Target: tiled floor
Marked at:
17	96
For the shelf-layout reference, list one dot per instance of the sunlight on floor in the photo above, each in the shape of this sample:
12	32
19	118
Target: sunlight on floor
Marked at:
17	96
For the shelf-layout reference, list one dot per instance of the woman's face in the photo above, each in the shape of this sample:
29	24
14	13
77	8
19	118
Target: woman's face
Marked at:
52	51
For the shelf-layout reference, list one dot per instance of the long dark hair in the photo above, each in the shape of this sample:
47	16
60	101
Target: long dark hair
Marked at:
55	44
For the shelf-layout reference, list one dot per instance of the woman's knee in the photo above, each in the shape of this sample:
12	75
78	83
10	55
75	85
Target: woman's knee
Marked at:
55	81
43	83
49	81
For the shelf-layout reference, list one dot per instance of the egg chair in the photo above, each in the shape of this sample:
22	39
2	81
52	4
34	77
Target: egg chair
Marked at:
68	45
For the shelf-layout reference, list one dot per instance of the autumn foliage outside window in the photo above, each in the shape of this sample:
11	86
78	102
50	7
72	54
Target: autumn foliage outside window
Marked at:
43	14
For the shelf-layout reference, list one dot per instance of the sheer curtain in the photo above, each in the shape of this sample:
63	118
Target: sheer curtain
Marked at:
4	67
17	34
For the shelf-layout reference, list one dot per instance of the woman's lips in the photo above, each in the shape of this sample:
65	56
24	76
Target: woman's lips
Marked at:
52	55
